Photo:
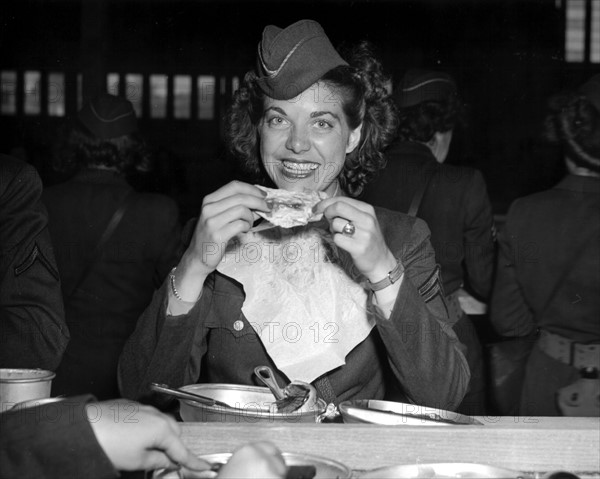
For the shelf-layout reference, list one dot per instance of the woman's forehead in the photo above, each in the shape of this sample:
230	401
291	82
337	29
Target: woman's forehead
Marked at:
319	96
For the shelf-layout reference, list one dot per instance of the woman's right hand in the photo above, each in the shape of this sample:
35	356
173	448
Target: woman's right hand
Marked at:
225	213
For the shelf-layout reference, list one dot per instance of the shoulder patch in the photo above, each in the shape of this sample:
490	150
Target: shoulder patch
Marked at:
36	254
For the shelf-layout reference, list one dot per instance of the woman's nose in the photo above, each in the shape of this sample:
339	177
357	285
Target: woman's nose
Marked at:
298	140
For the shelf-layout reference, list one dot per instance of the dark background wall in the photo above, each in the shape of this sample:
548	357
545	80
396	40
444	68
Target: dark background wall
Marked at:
507	57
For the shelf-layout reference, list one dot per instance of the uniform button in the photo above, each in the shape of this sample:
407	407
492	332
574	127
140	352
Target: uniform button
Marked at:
238	325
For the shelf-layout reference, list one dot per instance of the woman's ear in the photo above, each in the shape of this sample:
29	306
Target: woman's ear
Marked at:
354	139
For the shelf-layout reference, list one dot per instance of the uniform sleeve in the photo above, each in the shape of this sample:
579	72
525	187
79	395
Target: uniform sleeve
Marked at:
509	313
478	237
52	440
425	355
33	330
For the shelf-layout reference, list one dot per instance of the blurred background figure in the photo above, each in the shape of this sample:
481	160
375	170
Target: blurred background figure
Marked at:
33	332
548	274
453	200
113	245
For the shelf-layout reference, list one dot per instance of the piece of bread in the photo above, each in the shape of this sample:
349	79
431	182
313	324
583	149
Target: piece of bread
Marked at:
291	208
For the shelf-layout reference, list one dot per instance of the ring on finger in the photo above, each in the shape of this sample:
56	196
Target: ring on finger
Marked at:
348	229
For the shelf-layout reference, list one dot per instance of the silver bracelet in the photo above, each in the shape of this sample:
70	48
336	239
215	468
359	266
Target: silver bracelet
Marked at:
172	281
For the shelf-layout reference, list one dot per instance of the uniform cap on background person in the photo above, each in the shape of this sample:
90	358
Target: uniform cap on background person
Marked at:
591	90
418	86
292	59
108	116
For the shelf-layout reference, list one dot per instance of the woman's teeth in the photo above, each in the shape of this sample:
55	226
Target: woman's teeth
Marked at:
299	167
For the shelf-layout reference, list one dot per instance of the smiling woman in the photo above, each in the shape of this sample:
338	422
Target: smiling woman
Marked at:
351	303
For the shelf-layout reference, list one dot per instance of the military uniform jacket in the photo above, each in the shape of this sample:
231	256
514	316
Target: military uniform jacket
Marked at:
415	348
541	234
455	206
33	332
102	311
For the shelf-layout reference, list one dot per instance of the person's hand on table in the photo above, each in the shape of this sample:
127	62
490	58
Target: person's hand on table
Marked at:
254	460
138	437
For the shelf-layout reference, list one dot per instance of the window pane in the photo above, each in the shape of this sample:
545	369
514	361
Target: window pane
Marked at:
134	88
56	94
182	92
235	84
9	92
112	83
206	97
158	96
575	31
595	50
32	105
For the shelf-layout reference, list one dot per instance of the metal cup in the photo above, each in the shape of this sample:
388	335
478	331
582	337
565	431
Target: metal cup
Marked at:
18	385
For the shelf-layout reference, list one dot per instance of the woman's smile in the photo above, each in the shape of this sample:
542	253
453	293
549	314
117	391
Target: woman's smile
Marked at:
298	169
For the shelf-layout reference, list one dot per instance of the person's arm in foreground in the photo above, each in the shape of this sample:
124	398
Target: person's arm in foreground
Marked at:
33	331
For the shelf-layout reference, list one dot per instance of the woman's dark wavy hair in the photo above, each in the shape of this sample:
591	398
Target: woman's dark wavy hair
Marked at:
361	85
79	148
420	122
573	122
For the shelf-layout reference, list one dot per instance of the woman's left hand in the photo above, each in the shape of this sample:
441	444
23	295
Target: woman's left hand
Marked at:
366	244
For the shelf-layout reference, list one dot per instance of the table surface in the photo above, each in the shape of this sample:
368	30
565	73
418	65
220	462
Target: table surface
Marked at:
533	444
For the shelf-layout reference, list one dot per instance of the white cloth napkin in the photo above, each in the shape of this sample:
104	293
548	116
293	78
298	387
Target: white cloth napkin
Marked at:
307	311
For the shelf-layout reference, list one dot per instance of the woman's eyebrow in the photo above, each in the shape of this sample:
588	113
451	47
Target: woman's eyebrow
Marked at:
315	114
276	109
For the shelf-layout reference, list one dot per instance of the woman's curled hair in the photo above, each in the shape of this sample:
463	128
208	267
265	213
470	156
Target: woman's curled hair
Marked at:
78	148
574	123
365	99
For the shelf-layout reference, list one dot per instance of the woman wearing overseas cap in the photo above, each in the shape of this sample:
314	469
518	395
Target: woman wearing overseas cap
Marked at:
551	291
351	301
106	289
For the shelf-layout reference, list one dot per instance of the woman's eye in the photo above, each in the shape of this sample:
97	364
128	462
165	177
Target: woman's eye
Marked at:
276	121
323	124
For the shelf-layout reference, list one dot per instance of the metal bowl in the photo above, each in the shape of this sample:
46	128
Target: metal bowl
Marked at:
325	468
37	402
443	471
248	404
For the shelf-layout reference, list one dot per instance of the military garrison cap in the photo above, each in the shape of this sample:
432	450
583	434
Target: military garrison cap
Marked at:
292	59
108	116
418	86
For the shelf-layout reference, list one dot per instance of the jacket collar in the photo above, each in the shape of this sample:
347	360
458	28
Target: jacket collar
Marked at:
582	184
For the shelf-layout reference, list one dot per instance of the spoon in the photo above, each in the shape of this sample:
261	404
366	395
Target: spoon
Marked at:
163	388
265	374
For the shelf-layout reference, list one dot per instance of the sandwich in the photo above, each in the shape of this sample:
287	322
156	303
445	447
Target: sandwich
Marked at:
291	208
